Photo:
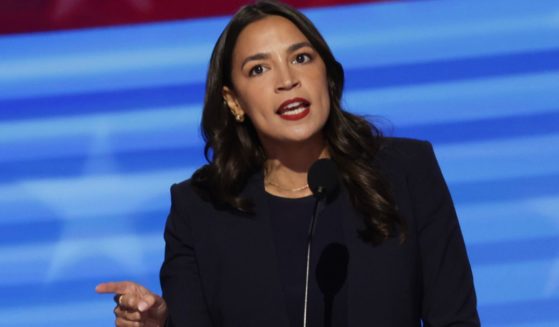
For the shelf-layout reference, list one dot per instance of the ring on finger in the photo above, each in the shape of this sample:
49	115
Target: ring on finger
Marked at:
118	299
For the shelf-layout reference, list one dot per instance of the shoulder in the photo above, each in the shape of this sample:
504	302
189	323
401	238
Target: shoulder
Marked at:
187	194
183	188
196	193
183	196
399	155
187	206
190	188
405	147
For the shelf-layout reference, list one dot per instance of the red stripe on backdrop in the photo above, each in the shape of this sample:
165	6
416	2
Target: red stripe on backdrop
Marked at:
24	16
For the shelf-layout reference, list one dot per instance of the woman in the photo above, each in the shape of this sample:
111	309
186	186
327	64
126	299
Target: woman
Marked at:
389	251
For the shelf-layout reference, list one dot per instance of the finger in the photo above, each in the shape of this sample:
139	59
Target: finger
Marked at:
141	303
115	287
127	315
120	322
147	302
118	298
135	302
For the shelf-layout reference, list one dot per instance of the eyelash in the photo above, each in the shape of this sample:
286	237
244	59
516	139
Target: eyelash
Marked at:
252	71
307	59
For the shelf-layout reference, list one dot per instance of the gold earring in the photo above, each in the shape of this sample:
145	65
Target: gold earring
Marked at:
239	117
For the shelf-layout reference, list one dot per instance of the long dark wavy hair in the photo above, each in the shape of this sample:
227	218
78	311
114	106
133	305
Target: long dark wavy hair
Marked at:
234	152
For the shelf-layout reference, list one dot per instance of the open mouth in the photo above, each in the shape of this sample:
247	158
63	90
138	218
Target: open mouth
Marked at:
294	109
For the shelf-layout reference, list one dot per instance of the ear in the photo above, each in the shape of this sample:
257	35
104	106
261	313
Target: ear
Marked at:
232	102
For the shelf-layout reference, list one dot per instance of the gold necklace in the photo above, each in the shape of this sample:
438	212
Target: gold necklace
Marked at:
293	190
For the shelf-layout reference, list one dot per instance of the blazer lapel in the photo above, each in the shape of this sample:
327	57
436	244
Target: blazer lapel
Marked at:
380	278
360	294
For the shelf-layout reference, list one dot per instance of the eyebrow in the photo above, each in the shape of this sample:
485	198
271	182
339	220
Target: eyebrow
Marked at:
263	55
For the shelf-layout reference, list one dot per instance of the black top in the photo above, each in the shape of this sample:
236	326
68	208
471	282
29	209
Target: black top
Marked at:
290	220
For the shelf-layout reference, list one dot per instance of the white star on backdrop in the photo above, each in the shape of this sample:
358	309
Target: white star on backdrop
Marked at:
99	192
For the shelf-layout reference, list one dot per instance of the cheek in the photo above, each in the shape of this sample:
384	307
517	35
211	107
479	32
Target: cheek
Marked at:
258	97
249	97
321	85
253	102
248	93
325	94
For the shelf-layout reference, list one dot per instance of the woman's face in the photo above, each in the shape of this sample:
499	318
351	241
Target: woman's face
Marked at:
279	82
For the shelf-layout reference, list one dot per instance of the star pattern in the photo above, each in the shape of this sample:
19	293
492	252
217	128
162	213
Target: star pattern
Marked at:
80	202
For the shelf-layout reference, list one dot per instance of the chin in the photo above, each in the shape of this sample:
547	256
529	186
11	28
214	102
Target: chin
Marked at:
303	137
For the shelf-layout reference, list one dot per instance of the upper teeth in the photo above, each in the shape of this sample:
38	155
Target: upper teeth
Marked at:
293	105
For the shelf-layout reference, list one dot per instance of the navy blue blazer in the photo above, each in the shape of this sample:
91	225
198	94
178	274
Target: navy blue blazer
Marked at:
220	268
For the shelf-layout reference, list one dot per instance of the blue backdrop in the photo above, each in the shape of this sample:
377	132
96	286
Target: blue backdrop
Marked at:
96	124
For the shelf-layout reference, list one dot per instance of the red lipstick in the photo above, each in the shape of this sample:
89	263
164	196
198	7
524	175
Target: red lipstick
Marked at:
294	109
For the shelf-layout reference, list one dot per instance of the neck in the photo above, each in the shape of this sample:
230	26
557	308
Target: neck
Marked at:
287	166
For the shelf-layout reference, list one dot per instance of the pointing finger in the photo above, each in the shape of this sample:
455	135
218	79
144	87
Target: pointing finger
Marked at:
114	287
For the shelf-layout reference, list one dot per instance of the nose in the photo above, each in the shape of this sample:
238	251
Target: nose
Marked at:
286	79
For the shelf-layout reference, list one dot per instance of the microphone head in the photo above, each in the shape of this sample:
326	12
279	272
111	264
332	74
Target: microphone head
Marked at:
323	178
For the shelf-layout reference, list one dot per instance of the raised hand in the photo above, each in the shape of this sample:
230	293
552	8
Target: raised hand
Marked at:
135	304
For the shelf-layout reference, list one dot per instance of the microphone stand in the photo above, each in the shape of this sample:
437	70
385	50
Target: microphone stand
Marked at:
318	206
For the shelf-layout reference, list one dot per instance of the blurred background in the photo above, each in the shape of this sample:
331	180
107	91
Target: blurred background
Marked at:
100	103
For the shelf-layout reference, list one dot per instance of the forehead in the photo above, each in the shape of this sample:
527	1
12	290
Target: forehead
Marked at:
267	34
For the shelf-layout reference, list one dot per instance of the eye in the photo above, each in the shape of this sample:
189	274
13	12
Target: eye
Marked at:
302	58
256	70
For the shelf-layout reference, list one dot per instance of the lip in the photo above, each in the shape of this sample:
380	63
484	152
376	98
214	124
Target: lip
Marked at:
304	109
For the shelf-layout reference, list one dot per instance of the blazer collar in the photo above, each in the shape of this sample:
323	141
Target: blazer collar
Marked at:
360	292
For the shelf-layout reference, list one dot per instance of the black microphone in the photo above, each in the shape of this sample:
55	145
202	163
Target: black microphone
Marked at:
323	178
323	182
